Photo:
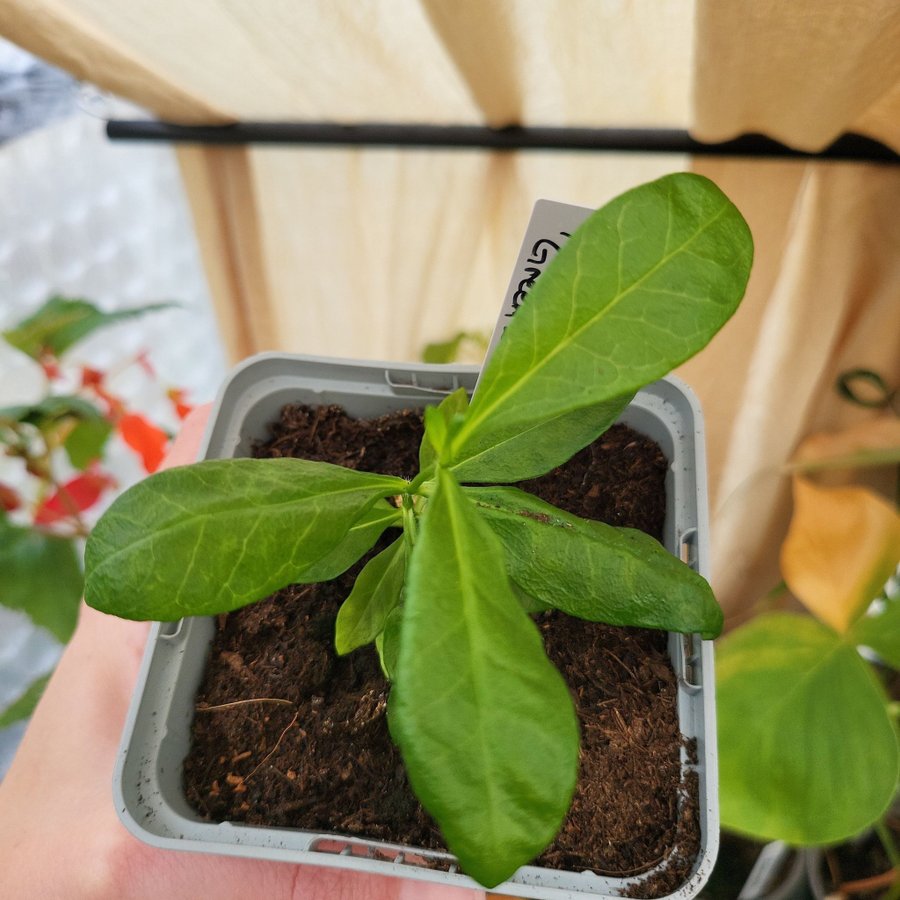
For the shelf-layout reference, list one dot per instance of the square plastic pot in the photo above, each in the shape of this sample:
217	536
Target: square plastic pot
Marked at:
148	791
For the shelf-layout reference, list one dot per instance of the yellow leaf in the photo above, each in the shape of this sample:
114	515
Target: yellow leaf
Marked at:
842	546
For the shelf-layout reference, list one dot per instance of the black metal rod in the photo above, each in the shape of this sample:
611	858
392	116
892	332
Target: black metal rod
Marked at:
848	147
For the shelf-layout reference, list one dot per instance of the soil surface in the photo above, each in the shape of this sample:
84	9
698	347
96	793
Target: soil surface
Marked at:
289	734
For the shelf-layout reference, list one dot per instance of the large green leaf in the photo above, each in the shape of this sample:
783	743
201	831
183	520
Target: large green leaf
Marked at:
376	592
594	571
214	536
484	721
533	451
40	574
880	630
361	537
62	322
24	705
807	752
640	287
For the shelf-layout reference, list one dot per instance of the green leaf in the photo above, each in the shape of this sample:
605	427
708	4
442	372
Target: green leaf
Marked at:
527	602
533	451
640	287
484	721
62	322
86	441
24	705
594	571
388	642
880	630
40	574
807	752
441	422
88	429
358	540
214	536
448	351
51	409
377	591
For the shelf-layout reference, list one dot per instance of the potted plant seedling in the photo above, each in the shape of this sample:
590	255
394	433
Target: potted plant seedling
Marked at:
484	722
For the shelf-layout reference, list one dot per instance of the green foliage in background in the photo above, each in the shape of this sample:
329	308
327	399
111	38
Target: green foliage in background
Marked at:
67	429
808	749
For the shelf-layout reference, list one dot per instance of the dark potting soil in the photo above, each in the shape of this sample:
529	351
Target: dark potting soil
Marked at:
288	734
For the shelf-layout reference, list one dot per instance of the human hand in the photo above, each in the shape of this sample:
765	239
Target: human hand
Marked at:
60	836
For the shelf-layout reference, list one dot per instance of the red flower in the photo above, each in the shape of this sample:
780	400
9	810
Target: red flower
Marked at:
92	377
145	438
73	497
182	407
94	380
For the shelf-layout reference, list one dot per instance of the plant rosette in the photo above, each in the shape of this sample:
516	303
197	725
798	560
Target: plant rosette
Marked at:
640	287
148	780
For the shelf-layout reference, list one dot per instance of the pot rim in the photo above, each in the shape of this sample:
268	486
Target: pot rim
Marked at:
147	778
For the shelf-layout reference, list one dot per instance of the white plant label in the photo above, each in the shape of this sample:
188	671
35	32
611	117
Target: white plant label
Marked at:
550	226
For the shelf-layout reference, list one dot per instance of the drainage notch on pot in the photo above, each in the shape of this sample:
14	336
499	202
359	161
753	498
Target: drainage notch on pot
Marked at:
148	787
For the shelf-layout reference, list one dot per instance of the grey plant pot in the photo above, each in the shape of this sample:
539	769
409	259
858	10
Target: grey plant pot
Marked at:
147	785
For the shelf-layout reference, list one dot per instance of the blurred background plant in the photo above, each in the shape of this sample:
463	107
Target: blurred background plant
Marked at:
808	698
464	346
84	217
58	482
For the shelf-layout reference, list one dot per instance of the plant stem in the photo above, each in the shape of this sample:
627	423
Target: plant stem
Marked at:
422	484
410	523
887	841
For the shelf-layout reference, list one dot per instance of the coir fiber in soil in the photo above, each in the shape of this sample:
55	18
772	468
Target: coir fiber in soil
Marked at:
288	734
